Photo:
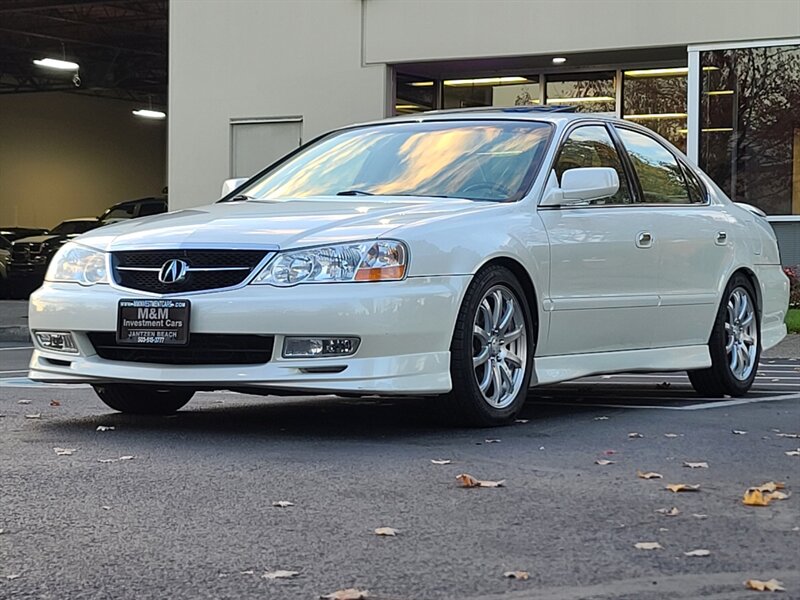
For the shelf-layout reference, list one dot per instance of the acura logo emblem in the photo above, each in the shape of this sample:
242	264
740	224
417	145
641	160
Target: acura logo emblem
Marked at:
173	271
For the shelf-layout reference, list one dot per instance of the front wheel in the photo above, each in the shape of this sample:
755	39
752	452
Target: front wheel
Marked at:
735	344
490	355
143	399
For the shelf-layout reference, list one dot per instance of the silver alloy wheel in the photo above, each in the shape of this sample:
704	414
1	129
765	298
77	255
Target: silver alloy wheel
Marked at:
499	347
741	334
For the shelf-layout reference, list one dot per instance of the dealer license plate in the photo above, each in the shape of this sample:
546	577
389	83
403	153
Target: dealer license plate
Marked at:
153	322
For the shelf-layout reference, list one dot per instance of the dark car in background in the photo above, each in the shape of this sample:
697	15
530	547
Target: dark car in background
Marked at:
5	257
133	209
31	255
15	233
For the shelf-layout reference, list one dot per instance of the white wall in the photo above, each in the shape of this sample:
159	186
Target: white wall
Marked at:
68	155
409	30
259	59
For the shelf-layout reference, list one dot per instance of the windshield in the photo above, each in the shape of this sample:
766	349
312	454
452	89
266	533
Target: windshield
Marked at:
477	160
124	211
72	227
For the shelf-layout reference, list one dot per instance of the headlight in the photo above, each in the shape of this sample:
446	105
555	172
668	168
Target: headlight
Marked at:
384	260
78	264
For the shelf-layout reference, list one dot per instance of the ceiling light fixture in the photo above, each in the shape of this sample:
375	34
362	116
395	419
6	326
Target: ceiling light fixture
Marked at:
150	114
720	93
655	116
485	81
55	63
559	60
584	99
422	83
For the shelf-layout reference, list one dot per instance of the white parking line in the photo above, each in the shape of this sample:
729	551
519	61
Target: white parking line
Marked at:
17	348
16	371
701	406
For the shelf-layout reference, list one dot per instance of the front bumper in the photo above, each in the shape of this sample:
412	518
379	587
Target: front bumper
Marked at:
405	329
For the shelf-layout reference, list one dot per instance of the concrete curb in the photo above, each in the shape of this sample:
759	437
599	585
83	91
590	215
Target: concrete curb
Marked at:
15	333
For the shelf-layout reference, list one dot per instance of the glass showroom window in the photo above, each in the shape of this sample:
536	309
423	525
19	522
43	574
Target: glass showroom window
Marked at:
414	94
750	125
656	98
491	91
590	92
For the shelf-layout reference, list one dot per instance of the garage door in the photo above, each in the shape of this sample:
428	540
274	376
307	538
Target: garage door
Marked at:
255	143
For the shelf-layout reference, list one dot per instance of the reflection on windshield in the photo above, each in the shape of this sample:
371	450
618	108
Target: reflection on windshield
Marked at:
480	160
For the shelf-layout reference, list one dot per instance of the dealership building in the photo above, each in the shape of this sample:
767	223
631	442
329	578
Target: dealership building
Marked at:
250	80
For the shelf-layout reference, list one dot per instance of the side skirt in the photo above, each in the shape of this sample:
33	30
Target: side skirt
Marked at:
553	369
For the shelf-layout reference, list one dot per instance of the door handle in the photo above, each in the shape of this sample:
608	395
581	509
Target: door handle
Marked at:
644	239
722	238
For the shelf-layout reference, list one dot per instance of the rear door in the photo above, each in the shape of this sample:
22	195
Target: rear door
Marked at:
603	292
693	238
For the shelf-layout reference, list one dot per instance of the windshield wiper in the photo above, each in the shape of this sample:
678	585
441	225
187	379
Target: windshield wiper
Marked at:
354	193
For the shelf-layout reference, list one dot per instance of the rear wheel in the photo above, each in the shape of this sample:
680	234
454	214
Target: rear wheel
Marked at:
490	363
735	344
143	399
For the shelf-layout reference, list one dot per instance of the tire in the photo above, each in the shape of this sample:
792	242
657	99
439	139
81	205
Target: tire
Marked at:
143	399
737	326
506	363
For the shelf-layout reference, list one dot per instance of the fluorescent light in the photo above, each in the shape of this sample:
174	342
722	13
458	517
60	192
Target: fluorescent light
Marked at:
657	72
150	114
719	93
406	106
559	60
584	99
485	81
709	130
655	116
422	83
54	63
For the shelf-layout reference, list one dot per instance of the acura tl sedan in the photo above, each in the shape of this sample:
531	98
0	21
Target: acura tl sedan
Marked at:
466	256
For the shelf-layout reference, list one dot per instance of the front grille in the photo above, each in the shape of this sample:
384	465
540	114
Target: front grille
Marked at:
242	263
202	349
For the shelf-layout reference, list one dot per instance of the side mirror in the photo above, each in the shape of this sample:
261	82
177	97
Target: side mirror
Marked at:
583	185
231	184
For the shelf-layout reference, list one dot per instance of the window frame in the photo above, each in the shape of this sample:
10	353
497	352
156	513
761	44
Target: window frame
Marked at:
682	165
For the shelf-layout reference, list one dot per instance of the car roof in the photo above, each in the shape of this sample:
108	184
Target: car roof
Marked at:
80	219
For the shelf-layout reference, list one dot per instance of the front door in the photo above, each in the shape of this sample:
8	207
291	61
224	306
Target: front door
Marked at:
603	292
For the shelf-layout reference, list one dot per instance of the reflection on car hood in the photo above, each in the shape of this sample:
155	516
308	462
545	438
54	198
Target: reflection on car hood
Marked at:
296	223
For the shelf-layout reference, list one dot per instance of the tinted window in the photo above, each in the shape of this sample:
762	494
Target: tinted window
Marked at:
478	160
4	243
658	170
73	227
123	211
697	193
591	146
152	208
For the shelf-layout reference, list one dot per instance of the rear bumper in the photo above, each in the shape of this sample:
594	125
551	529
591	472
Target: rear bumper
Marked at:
405	329
774	303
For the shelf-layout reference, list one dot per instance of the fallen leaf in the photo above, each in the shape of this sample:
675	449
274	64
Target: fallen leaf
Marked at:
14	576
770	486
491	441
649	475
663	529
348	594
521	575
113	460
248	572
468	481
441	461
669	512
738	432
698	552
601	418
386	531
648	546
671	435
127	457
282	504
633	435
683	487
696	465
34	416
773	585
779	496
793	452
521	421
280	574
64	451
760	497
788	435
23	401
105	428
55	403
699	516
603	462
106	507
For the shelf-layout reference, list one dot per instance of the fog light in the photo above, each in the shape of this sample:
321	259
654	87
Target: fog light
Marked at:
312	347
57	341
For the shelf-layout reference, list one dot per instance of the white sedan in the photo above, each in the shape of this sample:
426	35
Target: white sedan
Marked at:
464	255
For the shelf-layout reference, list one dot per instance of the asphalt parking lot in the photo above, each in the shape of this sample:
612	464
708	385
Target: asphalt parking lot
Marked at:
191	515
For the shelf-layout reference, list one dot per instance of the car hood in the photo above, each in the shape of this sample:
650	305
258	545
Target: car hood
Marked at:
276	225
